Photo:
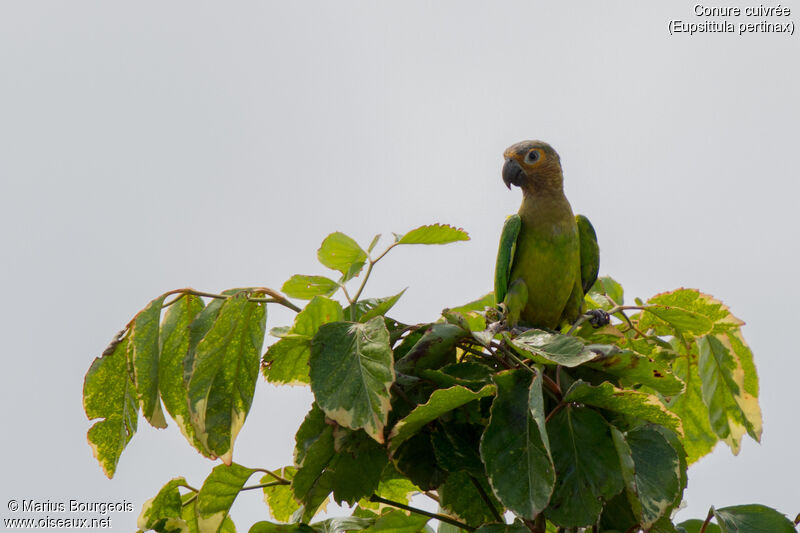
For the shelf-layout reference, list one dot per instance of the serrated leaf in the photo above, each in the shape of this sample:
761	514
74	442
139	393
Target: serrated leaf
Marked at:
109	393
357	466
695	525
514	448
605	293
416	459
217	494
552	348
224	369
434	234
143	356
162	512
587	466
279	498
309	431
286	361
625	401
460	496
440	402
174	339
700	303
305	287
351	372
752	518
732	410
634	368
364	310
651	470
342	253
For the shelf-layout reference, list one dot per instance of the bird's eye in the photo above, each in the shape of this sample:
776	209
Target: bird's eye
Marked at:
532	156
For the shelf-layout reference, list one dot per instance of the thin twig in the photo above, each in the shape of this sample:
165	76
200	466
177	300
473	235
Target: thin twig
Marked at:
559	406
440	517
708	519
486	499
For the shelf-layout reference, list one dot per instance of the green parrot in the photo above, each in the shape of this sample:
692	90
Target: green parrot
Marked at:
548	257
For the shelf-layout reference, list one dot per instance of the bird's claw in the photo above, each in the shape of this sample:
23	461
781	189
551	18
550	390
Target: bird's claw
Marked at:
598	318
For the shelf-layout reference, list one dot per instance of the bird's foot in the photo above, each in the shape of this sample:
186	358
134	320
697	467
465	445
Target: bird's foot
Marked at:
598	318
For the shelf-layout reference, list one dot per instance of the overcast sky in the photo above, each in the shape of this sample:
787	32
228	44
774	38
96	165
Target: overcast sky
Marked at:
146	146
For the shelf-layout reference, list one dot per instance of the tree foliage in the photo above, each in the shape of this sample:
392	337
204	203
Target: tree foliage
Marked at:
582	429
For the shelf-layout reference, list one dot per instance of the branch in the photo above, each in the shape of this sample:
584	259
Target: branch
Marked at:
369	270
440	517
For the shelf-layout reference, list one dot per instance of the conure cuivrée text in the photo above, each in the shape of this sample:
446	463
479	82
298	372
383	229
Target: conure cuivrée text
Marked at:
548	257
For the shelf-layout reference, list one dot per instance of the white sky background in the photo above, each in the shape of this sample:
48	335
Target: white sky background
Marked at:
154	145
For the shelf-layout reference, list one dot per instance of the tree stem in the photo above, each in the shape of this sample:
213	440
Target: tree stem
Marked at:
708	519
486	499
440	517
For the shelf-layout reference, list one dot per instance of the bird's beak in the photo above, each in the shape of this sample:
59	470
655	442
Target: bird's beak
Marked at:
512	173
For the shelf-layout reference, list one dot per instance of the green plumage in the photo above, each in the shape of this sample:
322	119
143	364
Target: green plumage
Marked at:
548	258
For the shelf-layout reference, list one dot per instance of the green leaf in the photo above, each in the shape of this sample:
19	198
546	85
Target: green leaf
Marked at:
357	467
487	300
162	513
434	234
638	369
340	252
516	527
700	303
143	352
695	525
286	361
440	402
398	522
629	402
435	349
752	518
306	287
457	447
109	393
364	310
351	373
269	527
605	293
309	431
699	438
279	498
223	374
552	348
217	494
174	339
515	449
587	466
682	320
732	410
392	486
651	470
189	516
312	484
460	496
416	459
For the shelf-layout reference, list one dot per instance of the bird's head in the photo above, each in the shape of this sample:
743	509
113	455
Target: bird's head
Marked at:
532	166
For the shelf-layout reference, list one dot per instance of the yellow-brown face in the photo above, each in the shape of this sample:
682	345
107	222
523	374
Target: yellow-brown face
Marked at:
532	165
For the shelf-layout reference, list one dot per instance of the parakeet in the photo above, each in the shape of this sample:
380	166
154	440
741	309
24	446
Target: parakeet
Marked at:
548	257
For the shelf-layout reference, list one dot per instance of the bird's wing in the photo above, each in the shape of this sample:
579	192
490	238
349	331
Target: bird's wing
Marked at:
590	252
505	256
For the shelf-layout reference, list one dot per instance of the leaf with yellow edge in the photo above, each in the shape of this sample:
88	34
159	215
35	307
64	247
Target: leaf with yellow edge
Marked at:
224	370
440	402
109	393
625	401
143	356
351	371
